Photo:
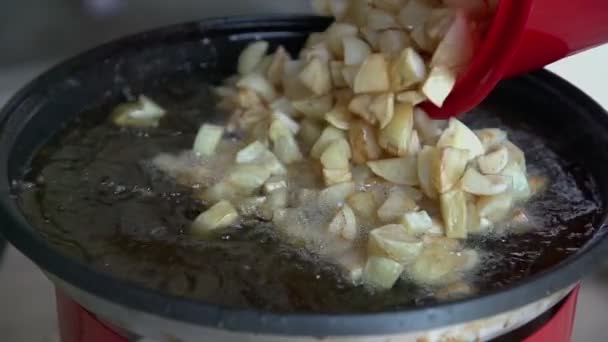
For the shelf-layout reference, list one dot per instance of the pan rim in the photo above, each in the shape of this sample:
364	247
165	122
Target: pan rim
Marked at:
23	236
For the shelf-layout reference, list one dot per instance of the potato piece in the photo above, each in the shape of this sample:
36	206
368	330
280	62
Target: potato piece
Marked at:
257	153
344	224
363	204
407	70
494	162
454	290
422	40
395	137
335	70
378	19
357	12
321	7
454	212
360	105
438	85
520	187
372	76
338	8
349	73
362	138
310	131
314	107
337	155
287	121
396	205
259	85
207	139
293	88
393	242
456	49
328	135
414	14
143	113
414	147
247	98
250	206
396	170
352	262
390	6
275	70
381	273
318	51
276	199
412	97
426	165
491	138
220	191
273	183
516	155
316	77
371	36
335	33
356	50
221	215
285	146
428	129
336	195
335	176
283	105
475	224
439	22
437	264
495	208
459	136
248	177
448	168
476	183
251	56
383	108
362	175
392	42
339	117
417	222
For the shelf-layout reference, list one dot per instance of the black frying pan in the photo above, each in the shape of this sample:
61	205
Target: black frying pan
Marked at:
572	124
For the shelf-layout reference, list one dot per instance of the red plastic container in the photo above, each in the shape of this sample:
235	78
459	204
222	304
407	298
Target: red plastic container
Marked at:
78	325
526	35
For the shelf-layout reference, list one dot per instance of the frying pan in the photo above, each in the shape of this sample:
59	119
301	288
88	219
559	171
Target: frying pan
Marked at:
572	124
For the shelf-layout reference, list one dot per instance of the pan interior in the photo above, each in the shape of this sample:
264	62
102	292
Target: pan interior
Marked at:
88	189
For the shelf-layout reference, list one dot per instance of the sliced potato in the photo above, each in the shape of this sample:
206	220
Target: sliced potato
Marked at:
250	206
454	290
426	165
293	88
456	49
335	33
458	135
143	113
353	262
397	170
356	50
335	195
360	106
429	130
344	224
422	40
491	138
493	162
287	150
251	56
221	215
362	175
349	73
335	176
417	222
414	147
258	153
516	155
207	139
414	14
337	78
337	155
363	204
396	205
407	70
275	70
283	105
372	75
328	135
454	212
381	273
448	168
220	191
339	117
273	183
393	242
259	85
310	131
338	8
495	208
316	76
248	177
519	181
363	142
318	51
392	42
314	107
395	137
378	19
371	36
382	107
438	85
476	183
412	97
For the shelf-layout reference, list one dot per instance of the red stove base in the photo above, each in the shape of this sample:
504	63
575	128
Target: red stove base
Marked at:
78	325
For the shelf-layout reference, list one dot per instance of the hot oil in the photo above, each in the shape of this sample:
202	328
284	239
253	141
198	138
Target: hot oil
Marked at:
94	194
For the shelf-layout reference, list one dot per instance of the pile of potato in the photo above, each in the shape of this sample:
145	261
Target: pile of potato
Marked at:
396	190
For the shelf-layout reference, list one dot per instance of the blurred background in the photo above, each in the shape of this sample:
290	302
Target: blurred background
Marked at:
35	34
